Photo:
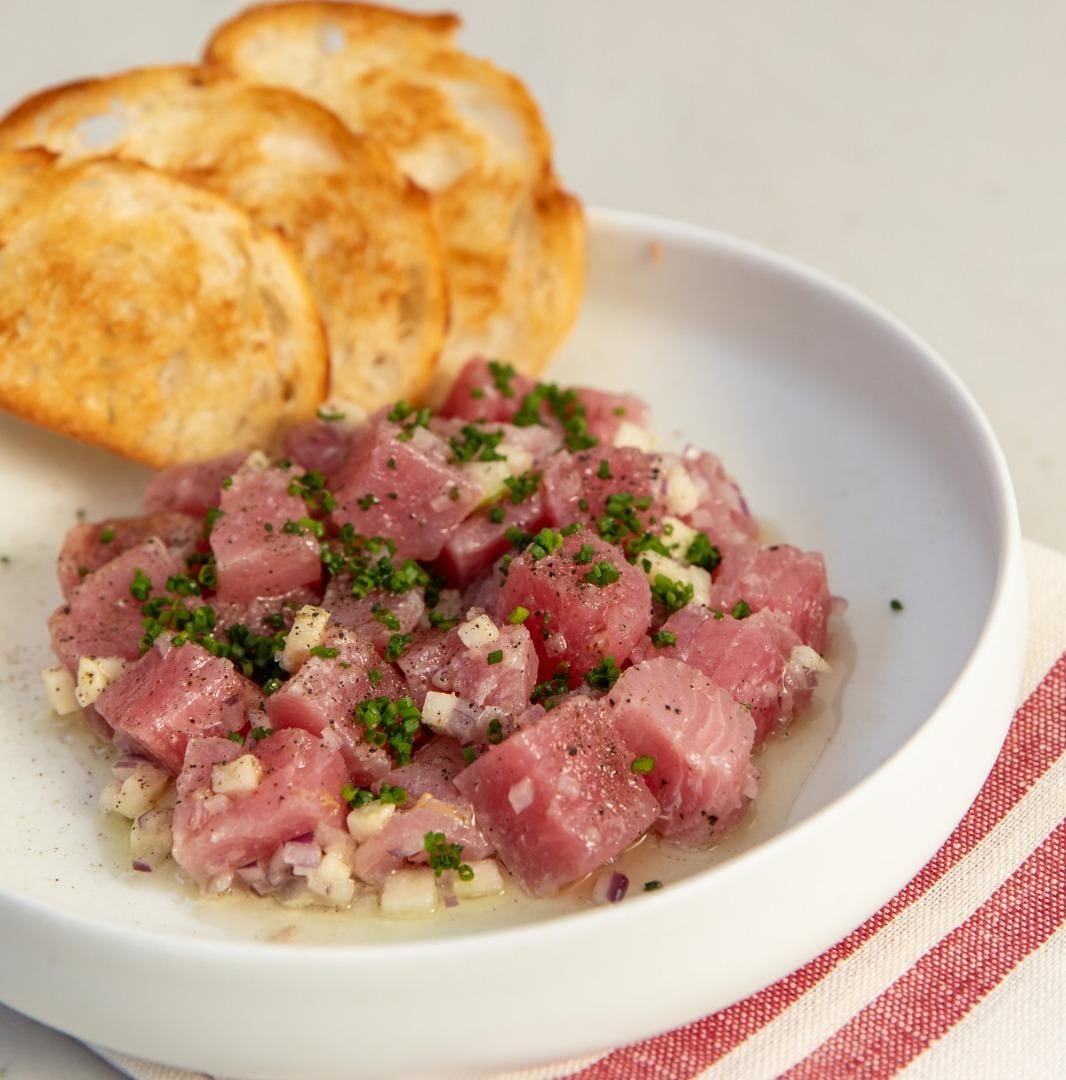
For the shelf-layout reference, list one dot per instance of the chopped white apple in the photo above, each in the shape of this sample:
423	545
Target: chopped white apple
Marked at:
437	711
151	837
806	657
306	632
331	880
630	434
256	461
487	881
365	821
238	777
95	675
409	894
59	690
137	793
677	536
478	631
492	476
682	495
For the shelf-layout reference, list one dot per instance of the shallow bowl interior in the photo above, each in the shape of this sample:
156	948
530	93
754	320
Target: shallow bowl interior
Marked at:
847	436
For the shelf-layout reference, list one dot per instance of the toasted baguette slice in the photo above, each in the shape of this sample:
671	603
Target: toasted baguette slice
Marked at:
463	130
147	315
365	235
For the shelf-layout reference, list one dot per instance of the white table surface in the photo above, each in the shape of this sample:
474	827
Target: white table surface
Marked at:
912	149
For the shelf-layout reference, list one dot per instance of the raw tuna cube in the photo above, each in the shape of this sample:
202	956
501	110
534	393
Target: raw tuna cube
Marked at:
300	788
261	614
606	412
781	578
698	740
321	698
414	502
377	616
192	487
255	555
500	686
721	511
572	618
484	593
318	446
752	658
173	694
476	394
428	652
102	618
590	478
89	546
491	680
476	543
557	799
404	838
432	771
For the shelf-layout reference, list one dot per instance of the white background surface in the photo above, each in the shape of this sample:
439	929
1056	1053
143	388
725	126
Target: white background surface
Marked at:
913	149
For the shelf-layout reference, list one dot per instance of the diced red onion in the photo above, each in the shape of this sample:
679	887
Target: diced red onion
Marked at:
837	605
278	871
143	867
406	851
447	892
129	761
610	887
303	854
255	877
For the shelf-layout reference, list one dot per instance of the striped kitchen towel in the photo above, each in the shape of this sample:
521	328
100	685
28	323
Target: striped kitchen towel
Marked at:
961	975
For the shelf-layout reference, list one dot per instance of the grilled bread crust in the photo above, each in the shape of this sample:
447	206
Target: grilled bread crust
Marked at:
148	315
464	131
364	235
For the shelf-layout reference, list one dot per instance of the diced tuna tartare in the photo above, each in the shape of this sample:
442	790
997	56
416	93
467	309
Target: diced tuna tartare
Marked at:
433	652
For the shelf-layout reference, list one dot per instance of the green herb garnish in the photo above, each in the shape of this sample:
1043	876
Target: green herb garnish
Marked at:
397	646
476	445
141	585
444	856
544	543
604	675
673	595
522	487
392	723
502	376
604	573
701	552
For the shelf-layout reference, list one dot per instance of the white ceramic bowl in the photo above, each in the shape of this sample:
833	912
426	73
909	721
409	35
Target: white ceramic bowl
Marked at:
848	436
